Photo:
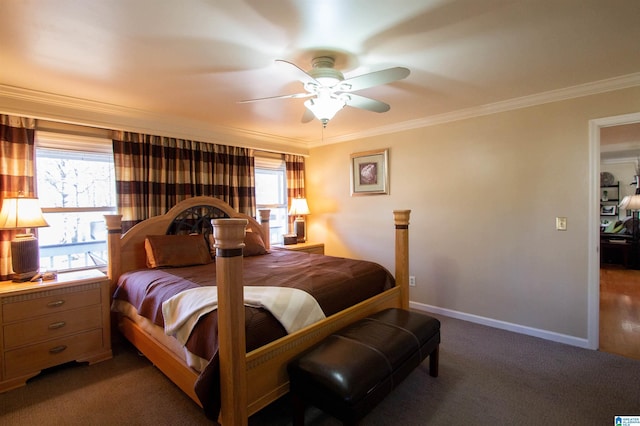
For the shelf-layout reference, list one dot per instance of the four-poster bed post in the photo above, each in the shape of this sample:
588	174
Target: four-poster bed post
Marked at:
401	220
229	236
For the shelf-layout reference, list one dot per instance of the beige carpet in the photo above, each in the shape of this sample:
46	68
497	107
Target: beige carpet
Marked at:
487	377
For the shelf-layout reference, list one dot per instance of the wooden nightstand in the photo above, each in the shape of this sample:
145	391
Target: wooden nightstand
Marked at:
308	247
43	324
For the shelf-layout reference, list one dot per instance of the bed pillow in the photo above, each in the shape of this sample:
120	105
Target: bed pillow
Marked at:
176	250
253	245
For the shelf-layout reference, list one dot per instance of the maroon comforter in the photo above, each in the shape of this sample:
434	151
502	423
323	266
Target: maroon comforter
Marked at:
336	283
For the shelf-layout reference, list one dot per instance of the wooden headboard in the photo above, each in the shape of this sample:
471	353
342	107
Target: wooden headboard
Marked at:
126	251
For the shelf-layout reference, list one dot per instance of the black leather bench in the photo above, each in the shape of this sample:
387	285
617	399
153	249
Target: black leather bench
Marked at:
352	370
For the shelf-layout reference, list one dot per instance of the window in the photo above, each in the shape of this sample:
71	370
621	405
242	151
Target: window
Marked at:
271	193
76	188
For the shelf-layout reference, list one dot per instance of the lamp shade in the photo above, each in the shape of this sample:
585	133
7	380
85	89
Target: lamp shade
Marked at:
299	207
21	212
630	202
325	106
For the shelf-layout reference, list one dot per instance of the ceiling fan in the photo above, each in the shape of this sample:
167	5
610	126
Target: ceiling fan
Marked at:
328	91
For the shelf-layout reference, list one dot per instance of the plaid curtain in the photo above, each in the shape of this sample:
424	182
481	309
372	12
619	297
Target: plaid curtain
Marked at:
17	173
153	173
295	176
294	165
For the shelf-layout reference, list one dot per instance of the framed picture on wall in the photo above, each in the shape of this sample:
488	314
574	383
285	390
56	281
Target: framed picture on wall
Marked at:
370	173
608	210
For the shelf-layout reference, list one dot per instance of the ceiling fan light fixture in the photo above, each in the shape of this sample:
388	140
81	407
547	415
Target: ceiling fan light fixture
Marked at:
325	107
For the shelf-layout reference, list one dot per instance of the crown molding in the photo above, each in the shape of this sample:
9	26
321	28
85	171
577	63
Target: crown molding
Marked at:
622	160
66	109
71	110
620	153
593	88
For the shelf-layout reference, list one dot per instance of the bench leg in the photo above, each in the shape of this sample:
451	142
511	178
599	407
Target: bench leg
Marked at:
298	410
433	362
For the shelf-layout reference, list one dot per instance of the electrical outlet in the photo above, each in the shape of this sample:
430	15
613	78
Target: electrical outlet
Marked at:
561	223
412	281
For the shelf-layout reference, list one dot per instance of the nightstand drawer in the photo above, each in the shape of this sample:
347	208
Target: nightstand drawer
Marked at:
32	358
52	326
307	247
16	308
315	250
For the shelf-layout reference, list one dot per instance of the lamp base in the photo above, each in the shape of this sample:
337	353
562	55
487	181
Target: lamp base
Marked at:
25	257
300	226
23	277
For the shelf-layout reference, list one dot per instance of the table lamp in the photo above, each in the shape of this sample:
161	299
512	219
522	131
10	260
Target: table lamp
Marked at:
631	202
23	213
299	208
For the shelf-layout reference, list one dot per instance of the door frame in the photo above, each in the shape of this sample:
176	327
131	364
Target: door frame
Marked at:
593	314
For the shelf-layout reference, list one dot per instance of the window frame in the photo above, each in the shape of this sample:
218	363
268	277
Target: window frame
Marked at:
274	163
71	145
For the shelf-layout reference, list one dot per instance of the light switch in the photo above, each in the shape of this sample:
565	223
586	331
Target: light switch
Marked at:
561	223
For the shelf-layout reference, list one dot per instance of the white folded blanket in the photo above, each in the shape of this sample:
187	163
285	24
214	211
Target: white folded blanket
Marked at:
294	308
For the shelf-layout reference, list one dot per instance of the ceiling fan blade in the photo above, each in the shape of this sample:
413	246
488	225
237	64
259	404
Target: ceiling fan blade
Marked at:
307	116
369	104
371	79
301	74
294	96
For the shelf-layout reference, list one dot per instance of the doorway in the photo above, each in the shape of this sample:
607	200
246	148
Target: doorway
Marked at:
614	290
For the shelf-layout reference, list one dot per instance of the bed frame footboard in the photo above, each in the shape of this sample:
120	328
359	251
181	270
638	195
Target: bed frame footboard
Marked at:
265	368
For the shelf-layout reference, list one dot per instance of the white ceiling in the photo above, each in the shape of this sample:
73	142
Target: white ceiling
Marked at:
191	61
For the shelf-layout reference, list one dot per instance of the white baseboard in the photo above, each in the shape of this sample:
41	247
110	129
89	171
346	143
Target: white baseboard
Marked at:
516	328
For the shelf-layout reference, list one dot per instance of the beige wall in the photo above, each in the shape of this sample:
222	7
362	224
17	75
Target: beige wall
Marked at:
484	195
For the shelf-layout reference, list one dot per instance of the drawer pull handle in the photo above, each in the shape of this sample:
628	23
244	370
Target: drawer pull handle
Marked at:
57	325
57	349
55	304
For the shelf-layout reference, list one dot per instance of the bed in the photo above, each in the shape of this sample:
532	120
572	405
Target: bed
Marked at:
221	383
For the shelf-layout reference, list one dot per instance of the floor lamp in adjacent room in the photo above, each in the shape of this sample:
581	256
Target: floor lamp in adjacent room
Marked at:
631	202
23	213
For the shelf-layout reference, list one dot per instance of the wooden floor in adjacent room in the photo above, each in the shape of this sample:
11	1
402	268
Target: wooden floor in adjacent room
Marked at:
620	311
